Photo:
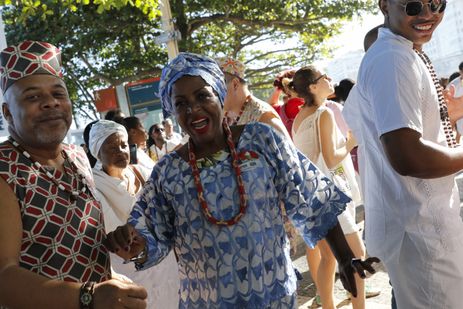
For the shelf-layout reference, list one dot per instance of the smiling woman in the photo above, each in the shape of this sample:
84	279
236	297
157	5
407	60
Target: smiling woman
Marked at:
216	201
199	113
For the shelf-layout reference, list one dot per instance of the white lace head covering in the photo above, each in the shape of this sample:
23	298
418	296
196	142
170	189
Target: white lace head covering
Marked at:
100	131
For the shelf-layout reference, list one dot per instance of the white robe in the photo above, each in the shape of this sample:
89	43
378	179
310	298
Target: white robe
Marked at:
413	225
160	281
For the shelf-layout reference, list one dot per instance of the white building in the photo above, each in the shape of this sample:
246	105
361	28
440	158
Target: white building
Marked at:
345	66
446	47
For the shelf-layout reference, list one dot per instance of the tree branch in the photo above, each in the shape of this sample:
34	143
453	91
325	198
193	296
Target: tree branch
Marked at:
263	69
83	89
282	24
95	72
259	56
255	41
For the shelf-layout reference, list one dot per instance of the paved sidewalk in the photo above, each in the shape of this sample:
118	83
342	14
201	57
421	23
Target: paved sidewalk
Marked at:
306	287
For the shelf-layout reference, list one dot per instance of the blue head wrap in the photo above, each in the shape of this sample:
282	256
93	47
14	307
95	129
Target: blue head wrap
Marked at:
192	65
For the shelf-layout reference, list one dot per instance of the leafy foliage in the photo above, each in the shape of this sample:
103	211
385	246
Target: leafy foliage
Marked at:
98	50
108	42
42	9
267	35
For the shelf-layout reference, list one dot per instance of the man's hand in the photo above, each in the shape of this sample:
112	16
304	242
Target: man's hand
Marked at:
117	294
454	104
348	268
125	241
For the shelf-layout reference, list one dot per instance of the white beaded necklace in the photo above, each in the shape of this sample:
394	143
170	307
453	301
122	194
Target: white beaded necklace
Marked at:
80	178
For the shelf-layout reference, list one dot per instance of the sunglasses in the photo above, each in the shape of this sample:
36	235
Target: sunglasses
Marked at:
159	130
414	8
318	78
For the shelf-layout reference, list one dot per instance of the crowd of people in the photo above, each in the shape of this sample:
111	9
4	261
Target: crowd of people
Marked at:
207	218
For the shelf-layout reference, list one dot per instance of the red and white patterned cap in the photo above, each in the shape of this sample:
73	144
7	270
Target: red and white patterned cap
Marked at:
28	58
231	66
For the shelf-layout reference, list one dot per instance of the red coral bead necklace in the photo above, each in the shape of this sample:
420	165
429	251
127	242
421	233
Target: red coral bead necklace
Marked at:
199	187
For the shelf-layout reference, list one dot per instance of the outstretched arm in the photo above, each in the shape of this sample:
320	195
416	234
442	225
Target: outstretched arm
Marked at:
348	265
312	203
148	235
274	98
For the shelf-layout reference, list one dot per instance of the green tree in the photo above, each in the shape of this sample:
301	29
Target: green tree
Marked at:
42	8
98	49
116	43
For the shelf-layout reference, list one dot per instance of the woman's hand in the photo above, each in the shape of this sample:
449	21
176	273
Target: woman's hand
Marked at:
125	241
348	268
351	141
348	265
117	294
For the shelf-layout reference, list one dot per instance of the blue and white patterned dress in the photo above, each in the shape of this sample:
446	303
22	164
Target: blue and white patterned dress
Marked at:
246	265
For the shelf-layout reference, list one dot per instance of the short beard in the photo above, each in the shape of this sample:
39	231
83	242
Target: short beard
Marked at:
50	139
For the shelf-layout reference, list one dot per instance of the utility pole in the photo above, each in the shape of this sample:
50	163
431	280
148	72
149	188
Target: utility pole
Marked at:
170	35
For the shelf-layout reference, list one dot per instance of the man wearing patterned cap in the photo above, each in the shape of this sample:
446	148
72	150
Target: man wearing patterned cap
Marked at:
240	105
51	226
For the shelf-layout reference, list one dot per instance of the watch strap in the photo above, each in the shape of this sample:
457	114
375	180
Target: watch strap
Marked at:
86	295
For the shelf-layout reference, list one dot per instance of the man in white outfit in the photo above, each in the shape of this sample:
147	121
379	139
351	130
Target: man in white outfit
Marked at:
397	112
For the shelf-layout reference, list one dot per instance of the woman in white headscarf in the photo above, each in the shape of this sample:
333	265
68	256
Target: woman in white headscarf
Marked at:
118	184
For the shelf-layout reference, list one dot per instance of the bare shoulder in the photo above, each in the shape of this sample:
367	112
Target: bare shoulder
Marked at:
275	121
267	117
326	115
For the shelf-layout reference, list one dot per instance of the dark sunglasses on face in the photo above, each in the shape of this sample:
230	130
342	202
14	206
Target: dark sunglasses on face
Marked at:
157	130
414	8
318	78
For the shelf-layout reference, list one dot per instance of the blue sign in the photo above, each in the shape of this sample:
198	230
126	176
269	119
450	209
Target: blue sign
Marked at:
146	108
143	93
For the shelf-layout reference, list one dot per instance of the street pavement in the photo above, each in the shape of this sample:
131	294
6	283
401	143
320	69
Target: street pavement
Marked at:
306	287
378	281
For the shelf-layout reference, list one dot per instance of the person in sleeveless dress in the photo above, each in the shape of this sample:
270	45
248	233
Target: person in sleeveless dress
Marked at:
317	135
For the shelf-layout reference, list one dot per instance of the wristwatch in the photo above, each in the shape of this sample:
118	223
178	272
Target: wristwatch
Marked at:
86	295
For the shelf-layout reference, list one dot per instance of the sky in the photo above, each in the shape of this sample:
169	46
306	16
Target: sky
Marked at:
350	37
352	34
